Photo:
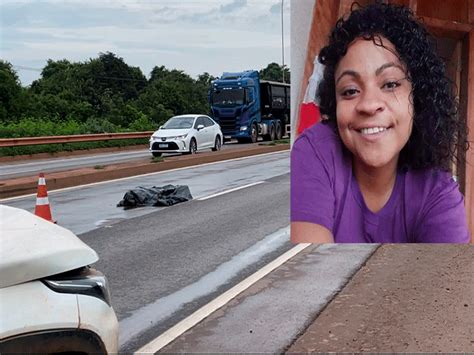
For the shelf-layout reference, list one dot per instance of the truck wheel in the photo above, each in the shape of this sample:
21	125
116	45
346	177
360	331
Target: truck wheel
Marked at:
272	133
253	134
279	134
217	144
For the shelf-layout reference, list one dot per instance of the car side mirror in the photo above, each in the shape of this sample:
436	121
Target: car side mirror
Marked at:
199	127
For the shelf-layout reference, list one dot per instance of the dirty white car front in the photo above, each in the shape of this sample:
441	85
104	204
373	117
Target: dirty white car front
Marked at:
51	300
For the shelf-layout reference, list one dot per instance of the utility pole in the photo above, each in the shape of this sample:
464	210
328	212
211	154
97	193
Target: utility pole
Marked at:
282	45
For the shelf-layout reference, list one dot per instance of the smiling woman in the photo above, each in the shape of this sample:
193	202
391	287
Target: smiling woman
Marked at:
377	169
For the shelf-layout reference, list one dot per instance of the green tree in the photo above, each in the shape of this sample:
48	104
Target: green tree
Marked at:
59	93
274	72
100	87
112	73
177	91
206	79
109	82
10	93
105	94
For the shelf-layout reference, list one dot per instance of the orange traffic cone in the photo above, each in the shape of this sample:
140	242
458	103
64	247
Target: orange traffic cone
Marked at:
42	203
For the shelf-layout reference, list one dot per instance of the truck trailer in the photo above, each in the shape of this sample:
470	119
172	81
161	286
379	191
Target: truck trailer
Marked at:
246	107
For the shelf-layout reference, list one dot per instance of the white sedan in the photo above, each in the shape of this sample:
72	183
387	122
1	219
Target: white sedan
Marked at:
51	301
186	134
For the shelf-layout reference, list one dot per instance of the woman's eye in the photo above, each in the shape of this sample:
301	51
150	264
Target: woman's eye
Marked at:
391	85
349	92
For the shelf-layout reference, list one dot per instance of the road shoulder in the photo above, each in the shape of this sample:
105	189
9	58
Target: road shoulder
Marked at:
278	308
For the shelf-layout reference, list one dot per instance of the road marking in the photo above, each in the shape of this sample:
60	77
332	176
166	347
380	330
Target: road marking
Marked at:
142	175
187	323
227	191
163	308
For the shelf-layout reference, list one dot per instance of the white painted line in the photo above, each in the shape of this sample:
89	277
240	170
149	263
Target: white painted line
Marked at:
187	323
142	175
142	319
228	191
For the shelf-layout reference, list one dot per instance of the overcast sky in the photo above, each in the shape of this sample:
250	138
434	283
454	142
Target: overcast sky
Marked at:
192	35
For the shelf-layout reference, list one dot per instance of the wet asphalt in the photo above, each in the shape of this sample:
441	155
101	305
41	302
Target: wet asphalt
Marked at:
164	263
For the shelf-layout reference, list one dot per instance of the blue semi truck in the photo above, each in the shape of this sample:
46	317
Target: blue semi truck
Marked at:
246	107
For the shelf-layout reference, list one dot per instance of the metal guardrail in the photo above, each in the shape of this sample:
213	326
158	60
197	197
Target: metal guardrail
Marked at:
17	142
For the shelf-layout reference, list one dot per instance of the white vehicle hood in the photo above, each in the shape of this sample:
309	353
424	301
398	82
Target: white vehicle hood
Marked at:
171	132
32	248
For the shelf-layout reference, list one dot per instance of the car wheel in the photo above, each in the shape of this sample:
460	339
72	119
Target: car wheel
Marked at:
156	155
253	133
193	146
217	144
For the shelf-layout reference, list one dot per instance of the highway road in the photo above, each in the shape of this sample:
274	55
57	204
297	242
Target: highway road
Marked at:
33	167
85	208
164	263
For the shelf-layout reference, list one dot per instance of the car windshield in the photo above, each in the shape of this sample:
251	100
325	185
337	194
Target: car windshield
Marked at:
178	123
228	97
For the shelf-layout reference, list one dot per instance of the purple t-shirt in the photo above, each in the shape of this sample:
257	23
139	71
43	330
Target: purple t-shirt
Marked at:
426	205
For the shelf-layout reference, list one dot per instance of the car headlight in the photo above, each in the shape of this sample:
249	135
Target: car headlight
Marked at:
181	137
243	128
88	282
153	138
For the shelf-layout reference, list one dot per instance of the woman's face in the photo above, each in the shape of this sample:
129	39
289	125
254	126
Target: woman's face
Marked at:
374	110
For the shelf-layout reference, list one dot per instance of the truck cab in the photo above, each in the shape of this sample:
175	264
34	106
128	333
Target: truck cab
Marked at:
246	107
235	104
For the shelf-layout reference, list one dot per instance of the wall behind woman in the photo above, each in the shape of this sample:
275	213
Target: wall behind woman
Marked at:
301	18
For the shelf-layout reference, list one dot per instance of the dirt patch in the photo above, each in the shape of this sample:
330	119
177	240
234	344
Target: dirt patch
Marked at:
407	298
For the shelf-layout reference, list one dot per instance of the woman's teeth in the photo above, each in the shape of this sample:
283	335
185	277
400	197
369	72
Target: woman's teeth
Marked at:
372	130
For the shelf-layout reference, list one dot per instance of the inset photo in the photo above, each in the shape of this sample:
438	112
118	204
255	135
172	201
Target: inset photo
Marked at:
383	121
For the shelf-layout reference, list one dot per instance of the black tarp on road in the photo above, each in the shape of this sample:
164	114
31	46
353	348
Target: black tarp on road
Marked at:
155	196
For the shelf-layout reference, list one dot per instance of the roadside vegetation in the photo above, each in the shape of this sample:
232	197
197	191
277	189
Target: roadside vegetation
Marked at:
283	141
101	95
157	159
278	141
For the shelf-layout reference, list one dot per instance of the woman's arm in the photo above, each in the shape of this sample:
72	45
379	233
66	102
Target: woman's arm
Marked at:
305	232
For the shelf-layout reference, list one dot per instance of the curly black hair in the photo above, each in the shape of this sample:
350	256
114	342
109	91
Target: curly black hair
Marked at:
437	129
